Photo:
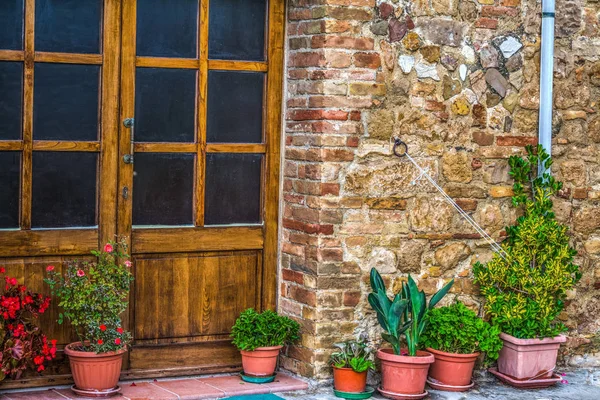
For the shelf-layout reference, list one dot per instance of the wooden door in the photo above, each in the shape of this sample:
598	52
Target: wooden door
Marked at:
59	80
193	183
198	174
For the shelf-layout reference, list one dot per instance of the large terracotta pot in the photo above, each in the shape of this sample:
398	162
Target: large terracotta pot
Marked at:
348	380
95	372
528	358
404	374
260	362
452	369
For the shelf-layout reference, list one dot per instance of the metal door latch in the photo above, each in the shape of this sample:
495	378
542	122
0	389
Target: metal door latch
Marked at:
128	123
125	192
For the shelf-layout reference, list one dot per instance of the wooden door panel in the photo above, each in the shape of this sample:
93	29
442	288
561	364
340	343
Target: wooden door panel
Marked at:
187	295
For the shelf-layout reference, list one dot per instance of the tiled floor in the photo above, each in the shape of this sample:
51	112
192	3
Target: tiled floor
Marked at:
187	388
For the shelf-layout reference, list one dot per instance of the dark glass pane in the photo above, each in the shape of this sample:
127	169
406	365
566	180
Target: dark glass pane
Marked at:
165	105
68	26
10	163
64	189
163	189
235	107
167	28
232	189
11	24
237	29
11	89
66	102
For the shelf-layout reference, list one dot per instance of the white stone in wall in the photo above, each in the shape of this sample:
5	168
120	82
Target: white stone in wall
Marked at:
462	70
406	63
469	54
426	70
510	46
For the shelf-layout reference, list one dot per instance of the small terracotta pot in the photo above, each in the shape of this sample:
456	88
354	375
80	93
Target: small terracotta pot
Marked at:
348	380
260	362
528	358
452	369
95	372
404	374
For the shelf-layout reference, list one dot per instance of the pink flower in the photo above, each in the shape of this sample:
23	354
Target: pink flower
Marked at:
13	281
108	248
120	331
564	381
563	374
80	273
127	264
50	268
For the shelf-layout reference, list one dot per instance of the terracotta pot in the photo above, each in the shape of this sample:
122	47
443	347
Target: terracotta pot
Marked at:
404	374
260	362
528	358
95	372
348	380
452	369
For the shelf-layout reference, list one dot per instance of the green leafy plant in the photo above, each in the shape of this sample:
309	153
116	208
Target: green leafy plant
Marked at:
253	329
525	288
405	313
93	295
457	329
355	354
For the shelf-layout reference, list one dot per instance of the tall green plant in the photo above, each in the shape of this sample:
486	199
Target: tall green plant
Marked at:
525	290
404	314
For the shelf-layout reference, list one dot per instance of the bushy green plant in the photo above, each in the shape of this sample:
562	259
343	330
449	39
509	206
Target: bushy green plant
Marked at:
355	354
457	329
525	289
93	295
405	313
253	329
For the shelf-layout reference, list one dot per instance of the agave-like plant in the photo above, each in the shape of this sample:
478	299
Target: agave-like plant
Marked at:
404	314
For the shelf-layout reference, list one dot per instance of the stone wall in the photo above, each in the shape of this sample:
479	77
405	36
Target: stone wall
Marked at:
458	80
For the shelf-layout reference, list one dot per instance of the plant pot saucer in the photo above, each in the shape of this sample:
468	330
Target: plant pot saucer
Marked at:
400	396
96	393
258	379
354	395
437	385
526	383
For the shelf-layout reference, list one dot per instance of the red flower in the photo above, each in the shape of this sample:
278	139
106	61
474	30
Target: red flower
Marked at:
100	341
80	272
120	331
102	327
117	341
2	270
108	248
50	268
13	281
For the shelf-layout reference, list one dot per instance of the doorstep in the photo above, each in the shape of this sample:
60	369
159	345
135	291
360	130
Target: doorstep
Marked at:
215	387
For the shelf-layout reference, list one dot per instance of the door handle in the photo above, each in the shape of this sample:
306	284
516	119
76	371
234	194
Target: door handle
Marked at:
129	123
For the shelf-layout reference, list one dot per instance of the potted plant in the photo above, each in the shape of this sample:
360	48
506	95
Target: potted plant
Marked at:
93	295
456	336
525	285
403	371
259	337
22	344
351	363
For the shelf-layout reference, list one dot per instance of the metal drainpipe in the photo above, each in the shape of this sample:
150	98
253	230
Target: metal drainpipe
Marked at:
546	74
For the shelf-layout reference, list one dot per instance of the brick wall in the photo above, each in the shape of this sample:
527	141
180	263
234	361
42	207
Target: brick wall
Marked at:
458	81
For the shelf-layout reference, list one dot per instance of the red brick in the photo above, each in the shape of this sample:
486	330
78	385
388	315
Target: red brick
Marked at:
518	141
351	299
292	276
487	23
307	59
324	229
342	42
337	155
511	3
303	115
367	60
492	11
330	188
303	295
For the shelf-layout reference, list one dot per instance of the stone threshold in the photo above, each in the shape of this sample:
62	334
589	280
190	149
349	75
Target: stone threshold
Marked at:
214	387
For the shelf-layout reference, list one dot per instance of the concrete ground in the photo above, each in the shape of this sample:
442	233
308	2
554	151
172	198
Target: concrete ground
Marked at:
582	385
